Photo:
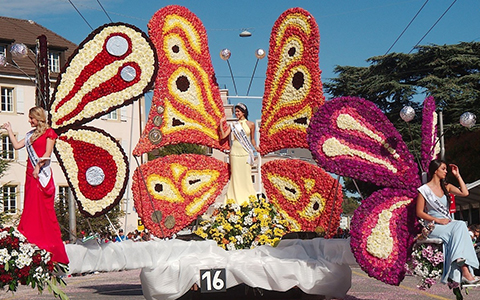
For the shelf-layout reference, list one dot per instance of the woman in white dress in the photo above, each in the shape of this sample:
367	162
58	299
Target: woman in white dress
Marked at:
433	204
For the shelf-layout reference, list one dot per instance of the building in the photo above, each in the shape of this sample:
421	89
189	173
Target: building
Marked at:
17	85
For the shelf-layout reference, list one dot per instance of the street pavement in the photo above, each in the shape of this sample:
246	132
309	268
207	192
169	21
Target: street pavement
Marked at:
126	285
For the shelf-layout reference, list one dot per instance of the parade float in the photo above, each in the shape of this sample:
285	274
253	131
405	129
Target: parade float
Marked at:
348	136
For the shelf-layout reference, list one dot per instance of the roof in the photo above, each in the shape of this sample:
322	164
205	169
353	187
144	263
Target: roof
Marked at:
472	200
26	32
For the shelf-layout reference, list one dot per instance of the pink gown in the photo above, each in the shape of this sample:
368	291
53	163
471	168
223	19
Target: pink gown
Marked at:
39	222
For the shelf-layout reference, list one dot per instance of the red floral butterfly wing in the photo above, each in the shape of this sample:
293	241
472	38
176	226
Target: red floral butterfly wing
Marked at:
381	237
170	192
96	168
307	197
186	104
112	67
352	137
293	87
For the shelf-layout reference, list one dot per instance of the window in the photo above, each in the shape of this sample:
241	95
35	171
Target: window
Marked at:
6	148
7	99
113	115
64	195
3	50
54	61
9	198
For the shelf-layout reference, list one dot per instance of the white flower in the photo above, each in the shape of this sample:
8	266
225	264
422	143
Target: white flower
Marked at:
4	256
248	221
233	218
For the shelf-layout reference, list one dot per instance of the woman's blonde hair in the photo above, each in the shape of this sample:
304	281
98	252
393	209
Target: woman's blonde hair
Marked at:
40	115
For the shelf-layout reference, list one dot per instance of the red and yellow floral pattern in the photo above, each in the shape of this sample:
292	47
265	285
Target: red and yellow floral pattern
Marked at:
306	196
170	192
78	150
111	68
293	87
186	106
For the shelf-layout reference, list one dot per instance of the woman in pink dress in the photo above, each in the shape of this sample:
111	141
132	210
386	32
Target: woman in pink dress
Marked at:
39	222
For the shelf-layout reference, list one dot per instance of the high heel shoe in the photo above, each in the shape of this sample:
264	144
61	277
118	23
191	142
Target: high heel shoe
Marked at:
474	281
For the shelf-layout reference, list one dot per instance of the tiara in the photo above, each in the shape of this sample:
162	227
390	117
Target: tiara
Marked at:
243	106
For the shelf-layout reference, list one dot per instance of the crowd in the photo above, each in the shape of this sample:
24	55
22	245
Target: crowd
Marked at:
109	237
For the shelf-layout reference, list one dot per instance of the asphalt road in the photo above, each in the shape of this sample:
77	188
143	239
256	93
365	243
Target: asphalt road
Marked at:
126	285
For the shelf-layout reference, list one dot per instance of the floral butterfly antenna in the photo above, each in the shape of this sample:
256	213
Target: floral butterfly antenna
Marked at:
293	88
186	105
430	146
112	67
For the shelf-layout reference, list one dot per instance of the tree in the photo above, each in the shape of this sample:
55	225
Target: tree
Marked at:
85	224
182	148
449	73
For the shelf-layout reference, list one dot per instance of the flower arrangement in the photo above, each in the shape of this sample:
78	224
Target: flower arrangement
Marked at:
430	147
112	67
293	88
382	234
171	191
305	195
427	263
98	182
245	226
26	264
188	108
352	137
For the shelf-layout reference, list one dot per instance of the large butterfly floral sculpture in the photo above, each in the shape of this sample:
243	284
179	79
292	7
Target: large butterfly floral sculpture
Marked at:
352	137
111	68
306	195
171	192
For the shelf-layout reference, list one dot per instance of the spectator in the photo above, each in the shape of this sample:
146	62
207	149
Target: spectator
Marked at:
120	237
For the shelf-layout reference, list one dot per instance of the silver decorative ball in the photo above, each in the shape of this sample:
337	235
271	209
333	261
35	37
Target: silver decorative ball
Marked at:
19	50
468	119
260	53
407	113
225	54
3	60
95	176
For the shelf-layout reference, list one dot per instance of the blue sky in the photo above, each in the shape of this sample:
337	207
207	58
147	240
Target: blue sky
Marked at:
350	30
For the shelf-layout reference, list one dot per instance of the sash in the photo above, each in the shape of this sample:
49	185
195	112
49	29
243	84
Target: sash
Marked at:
243	139
45	172
433	200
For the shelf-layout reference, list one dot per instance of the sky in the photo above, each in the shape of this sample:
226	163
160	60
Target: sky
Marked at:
351	31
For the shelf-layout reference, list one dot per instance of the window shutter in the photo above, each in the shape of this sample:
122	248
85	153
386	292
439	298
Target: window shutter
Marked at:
20	100
21	196
123	114
22	153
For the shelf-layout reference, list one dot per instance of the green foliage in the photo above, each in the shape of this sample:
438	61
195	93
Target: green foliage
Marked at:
449	73
98	224
182	148
349	205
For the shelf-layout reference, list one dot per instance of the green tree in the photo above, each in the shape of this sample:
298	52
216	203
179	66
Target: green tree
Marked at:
85	224
182	148
449	73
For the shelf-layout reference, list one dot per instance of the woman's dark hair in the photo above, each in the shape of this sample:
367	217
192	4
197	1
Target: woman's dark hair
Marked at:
243	108
432	167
